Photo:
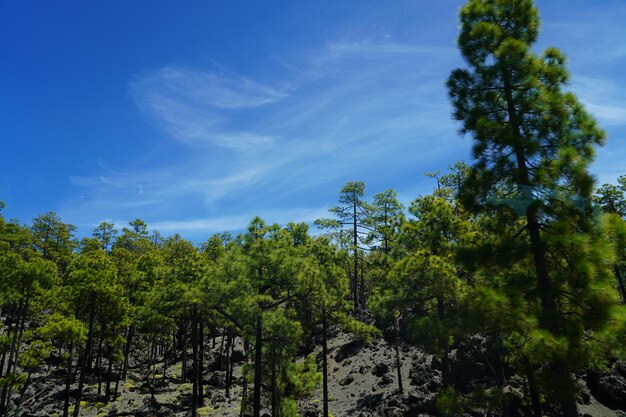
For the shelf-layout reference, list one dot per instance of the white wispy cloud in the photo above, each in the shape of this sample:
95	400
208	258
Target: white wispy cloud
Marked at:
194	106
240	222
603	97
368	110
207	88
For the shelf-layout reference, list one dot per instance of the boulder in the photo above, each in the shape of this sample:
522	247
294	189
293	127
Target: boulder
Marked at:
609	389
348	350
380	369
347	380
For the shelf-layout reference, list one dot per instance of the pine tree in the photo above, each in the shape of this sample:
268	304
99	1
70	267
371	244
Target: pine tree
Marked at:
54	239
97	298
611	198
423	290
615	227
385	219
533	143
352	212
69	332
105	233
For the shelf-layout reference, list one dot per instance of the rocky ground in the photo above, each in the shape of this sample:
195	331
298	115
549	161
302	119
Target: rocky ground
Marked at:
362	383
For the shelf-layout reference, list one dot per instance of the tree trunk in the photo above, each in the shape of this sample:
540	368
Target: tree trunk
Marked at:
273	382
18	409
129	338
201	364
109	373
81	383
68	382
222	342
11	327
244	388
385	237
445	362
99	359
532	388
14	356
232	351
228	365
362	288
549	313
324	365
355	243
502	380
194	347
84	365
569	407
117	380
258	367
152	365
183	338
396	328
12	330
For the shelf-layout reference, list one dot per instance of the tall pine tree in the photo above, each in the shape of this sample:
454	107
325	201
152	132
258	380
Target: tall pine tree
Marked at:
533	143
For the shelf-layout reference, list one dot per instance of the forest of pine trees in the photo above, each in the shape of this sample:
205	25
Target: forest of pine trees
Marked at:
517	249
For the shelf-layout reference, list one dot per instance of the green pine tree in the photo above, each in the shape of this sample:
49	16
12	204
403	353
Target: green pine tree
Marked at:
533	143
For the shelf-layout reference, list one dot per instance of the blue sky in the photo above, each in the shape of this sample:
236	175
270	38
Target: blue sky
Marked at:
196	116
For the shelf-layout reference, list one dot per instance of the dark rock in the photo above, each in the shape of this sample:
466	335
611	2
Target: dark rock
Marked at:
386	380
414	397
217	364
380	369
429	406
475	413
420	405
348	350
346	381
436	364
310	412
370	402
217	379
585	397
433	385
146	388
393	402
165	412
237	356
143	411
620	368
393	412
420	376
609	389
